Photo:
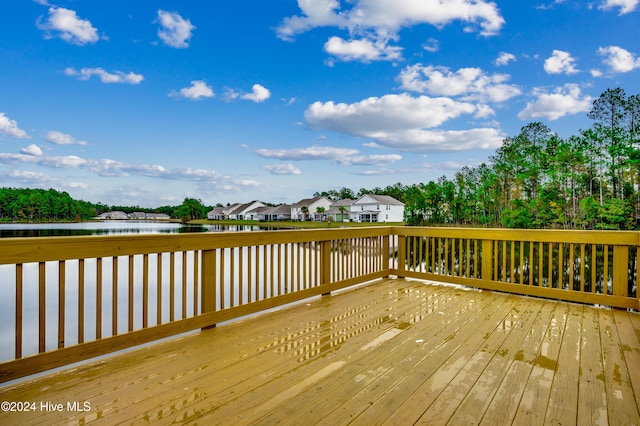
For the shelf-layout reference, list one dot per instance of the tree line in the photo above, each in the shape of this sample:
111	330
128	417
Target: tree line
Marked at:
50	205
540	180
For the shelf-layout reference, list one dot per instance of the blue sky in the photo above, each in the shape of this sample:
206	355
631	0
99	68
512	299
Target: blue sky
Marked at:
146	103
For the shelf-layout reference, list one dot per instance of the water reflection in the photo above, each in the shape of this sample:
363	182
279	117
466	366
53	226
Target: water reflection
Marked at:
93	228
113	228
402	308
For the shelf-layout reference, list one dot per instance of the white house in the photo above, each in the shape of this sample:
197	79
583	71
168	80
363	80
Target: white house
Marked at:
339	210
271	214
377	208
241	212
222	213
307	209
115	215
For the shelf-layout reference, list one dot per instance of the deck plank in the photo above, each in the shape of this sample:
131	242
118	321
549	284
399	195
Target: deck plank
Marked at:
408	399
445	405
630	347
396	351
477	400
506	400
563	400
535	399
621	410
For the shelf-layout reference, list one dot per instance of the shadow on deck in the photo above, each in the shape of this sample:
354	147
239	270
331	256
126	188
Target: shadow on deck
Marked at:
395	351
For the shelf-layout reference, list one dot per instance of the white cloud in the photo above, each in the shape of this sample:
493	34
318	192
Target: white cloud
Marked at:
68	26
106	167
369	160
390	16
373	23
316	13
550	5
432	45
198	90
60	138
27	177
32	149
307	153
175	31
469	83
364	50
420	140
399	121
504	58
105	77
389	113
560	62
10	127
282	169
626	6
258	94
619	59
565	100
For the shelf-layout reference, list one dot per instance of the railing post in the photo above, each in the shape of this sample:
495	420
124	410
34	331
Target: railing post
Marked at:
487	260
208	291
386	254
325	264
620	270
402	255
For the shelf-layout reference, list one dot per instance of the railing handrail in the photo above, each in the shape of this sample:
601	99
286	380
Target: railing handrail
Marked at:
43	249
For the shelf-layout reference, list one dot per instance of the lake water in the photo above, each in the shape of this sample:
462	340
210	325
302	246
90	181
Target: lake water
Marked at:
112	228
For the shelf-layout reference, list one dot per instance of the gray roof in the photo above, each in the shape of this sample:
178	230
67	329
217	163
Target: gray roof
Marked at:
383	199
342	203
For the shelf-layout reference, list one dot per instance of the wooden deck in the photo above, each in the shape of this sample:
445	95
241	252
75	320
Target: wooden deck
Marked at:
393	352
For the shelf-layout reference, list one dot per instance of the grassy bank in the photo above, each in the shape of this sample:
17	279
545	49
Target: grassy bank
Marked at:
291	224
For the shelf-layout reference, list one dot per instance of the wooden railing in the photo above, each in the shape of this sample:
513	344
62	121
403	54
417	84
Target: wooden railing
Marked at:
72	298
69	299
595	267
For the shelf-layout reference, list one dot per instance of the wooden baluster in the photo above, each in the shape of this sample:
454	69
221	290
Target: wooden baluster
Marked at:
560	265
241	277
531	262
271	270
172	286
222	282
582	262
99	298
232	283
571	260
114	296
594	266
605	274
19	302
145	290
130	299
42	305
550	269
61	302
196	281
159	288
184	284
81	301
